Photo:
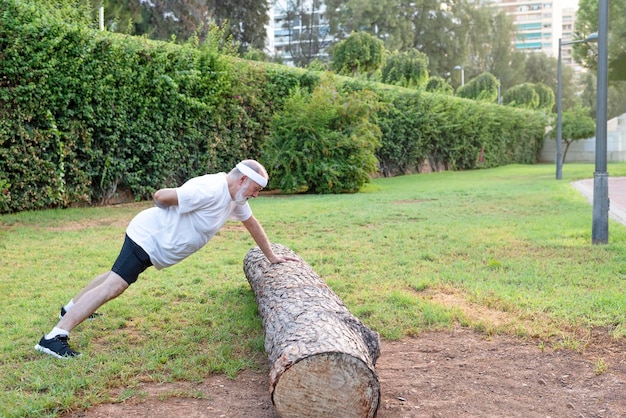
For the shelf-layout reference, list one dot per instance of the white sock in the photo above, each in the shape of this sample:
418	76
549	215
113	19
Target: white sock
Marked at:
56	331
69	305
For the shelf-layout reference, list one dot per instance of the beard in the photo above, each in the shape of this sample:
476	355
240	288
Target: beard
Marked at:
240	198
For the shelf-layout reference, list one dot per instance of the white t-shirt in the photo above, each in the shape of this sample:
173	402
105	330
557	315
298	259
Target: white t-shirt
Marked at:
172	234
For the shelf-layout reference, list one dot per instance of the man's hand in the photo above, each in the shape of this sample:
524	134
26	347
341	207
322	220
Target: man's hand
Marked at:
278	259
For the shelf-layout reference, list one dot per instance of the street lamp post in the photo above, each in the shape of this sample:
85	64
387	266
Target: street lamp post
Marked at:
460	67
499	92
559	94
600	224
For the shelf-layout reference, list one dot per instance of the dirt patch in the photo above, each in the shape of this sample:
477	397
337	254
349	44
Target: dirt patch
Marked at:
440	374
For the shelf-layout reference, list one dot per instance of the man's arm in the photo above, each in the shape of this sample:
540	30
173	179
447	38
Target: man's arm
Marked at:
164	198
258	233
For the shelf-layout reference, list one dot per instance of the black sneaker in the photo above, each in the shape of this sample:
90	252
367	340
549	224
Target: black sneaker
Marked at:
58	347
90	317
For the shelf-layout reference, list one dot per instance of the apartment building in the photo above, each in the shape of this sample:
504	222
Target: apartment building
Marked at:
297	32
539	24
569	23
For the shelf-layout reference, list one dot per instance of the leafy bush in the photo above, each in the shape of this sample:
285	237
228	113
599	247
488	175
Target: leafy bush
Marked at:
406	69
323	142
546	97
482	88
409	125
425	132
439	85
358	53
85	114
576	124
522	95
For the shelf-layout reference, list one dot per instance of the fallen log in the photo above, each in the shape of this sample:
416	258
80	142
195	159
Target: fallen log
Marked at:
321	356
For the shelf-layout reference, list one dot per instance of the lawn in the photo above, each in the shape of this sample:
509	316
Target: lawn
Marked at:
505	250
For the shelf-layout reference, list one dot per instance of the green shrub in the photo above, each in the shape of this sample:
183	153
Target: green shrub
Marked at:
482	88
86	114
546	97
523	95
409	124
407	69
323	142
357	54
439	85
425	132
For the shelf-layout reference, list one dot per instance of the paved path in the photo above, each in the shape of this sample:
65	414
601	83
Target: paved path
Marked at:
617	196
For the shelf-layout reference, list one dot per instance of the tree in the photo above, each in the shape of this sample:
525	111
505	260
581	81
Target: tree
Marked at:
483	88
488	35
406	69
530	96
157	19
616	96
178	19
307	36
576	124
586	53
522	95
385	19
503	60
439	85
358	53
587	23
438	31
125	16
456	32
182	19
546	97
544	70
426	25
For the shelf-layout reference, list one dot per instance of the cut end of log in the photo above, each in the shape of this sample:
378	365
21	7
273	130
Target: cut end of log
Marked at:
322	357
327	385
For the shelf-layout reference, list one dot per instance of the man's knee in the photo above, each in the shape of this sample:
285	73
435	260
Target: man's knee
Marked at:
115	284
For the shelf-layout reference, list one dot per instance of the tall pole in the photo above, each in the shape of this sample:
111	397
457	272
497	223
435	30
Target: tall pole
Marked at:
559	120
462	69
499	92
600	225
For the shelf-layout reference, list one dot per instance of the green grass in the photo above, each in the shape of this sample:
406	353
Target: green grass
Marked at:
504	250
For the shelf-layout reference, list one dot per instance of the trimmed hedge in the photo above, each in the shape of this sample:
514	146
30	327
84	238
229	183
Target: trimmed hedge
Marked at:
86	114
431	132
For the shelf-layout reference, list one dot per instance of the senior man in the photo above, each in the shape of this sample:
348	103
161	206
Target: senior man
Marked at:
182	221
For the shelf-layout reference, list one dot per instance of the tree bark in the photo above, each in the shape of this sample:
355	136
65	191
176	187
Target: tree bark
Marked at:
321	356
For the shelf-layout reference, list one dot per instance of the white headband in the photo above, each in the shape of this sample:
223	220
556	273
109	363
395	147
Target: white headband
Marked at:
251	174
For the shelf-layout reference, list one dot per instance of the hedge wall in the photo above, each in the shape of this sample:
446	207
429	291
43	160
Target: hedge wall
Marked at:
85	114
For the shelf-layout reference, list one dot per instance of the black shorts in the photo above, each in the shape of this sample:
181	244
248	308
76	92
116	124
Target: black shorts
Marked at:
131	262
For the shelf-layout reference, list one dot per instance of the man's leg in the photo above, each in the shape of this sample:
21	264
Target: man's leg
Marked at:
94	283
131	262
88	302
56	342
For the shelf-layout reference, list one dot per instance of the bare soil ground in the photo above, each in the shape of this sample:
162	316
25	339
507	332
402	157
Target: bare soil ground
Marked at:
440	374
